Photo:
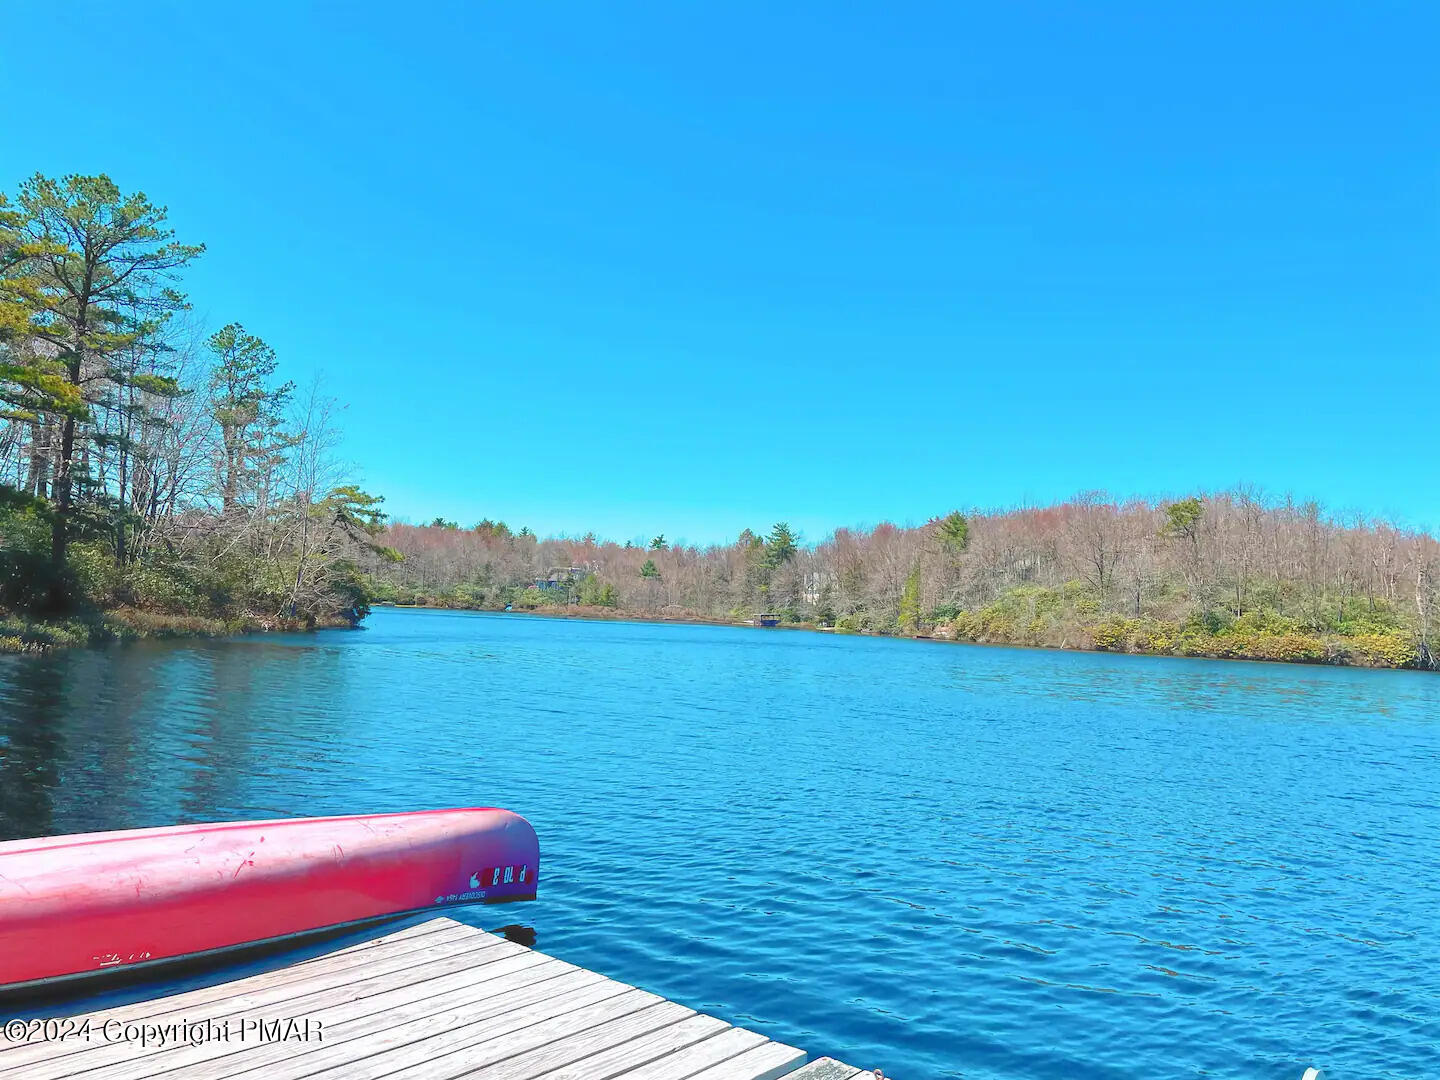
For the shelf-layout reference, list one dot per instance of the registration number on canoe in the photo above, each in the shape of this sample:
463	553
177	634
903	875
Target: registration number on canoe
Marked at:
488	878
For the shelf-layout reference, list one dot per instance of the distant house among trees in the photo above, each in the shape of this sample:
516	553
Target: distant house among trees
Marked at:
562	577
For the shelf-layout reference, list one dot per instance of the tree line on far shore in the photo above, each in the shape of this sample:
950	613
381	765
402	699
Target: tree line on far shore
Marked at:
1229	574
155	475
159	476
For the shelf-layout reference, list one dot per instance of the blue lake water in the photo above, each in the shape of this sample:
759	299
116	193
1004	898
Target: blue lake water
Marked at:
941	860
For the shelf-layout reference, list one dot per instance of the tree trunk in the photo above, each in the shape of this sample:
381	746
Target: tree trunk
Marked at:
59	598
121	503
37	481
1426	658
233	442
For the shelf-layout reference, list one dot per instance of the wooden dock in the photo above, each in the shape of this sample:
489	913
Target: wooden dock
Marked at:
424	999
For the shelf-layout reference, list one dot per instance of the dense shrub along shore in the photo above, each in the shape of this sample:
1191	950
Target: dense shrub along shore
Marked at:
21	634
1228	575
1276	642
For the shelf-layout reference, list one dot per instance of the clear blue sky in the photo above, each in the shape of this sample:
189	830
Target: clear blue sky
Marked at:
690	267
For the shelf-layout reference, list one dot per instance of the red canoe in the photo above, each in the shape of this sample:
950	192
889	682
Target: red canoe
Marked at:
74	905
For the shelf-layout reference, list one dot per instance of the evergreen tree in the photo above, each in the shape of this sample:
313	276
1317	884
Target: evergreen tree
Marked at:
953	533
357	510
496	530
89	276
247	409
825	608
594	594
909	617
14	314
781	547
1182	519
1182	525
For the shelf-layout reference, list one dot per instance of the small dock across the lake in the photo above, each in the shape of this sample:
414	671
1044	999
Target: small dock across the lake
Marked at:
427	998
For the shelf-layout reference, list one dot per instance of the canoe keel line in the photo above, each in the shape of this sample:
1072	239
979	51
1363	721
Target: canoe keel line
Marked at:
76	905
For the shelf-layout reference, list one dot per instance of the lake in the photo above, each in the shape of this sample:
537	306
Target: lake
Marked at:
941	860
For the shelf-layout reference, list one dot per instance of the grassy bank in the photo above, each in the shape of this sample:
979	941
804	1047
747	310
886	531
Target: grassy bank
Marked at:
582	611
1264	637
1257	637
1252	640
24	634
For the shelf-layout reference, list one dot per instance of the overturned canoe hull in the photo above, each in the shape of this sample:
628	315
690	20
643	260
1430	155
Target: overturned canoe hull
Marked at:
77	905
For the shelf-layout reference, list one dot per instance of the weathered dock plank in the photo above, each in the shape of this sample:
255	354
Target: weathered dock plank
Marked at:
378	1020
642	1051
398	950
433	999
728	1044
581	1045
323	988
769	1061
825	1069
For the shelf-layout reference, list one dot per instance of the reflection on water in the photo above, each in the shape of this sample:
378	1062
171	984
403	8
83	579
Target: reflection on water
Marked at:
33	742
940	860
150	733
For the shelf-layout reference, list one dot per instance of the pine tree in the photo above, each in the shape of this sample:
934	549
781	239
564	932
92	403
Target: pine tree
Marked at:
781	547
953	533
247	409
89	276
909	618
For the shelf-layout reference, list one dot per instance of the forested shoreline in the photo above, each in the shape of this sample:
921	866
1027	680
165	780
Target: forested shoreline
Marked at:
1229	575
156	476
